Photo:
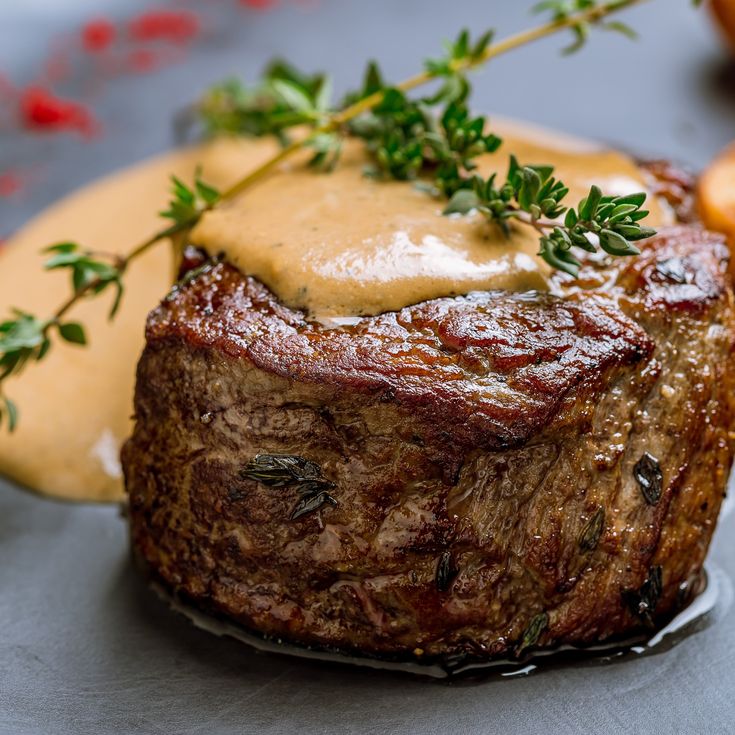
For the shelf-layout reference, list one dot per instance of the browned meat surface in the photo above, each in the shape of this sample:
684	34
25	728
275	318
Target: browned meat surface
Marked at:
675	185
509	471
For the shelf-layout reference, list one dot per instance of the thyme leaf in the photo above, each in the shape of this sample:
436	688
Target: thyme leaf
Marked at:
73	332
592	531
563	10
648	475
533	632
643	602
8	412
287	470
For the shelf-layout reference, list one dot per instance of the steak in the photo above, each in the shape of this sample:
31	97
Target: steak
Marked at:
466	479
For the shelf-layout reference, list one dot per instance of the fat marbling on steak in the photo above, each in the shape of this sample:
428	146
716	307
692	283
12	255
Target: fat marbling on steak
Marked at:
497	471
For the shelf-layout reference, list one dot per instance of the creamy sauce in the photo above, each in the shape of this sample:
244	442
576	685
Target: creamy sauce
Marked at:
341	245
338	244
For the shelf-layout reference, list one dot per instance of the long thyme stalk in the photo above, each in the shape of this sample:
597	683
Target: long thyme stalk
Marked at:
581	19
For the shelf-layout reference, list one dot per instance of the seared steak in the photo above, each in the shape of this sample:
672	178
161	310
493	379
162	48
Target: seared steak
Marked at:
491	473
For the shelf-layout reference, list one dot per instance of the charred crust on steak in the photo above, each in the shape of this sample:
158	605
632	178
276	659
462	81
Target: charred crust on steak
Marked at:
543	347
700	278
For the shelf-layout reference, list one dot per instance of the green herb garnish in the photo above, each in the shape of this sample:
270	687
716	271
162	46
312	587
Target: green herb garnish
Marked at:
284	98
25	338
531	195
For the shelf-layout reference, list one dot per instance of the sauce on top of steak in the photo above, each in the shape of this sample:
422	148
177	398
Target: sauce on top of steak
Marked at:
345	244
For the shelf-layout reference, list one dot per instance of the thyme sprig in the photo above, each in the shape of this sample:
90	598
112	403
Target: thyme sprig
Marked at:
531	194
336	123
286	100
562	10
407	139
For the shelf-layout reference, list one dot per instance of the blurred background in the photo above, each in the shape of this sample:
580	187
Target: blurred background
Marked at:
87	86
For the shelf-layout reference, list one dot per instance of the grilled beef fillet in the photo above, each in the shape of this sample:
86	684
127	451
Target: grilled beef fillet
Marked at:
510	471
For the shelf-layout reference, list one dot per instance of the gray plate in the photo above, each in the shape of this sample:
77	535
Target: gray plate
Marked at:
86	648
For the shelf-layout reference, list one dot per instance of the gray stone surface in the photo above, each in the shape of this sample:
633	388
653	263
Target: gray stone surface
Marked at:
85	648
